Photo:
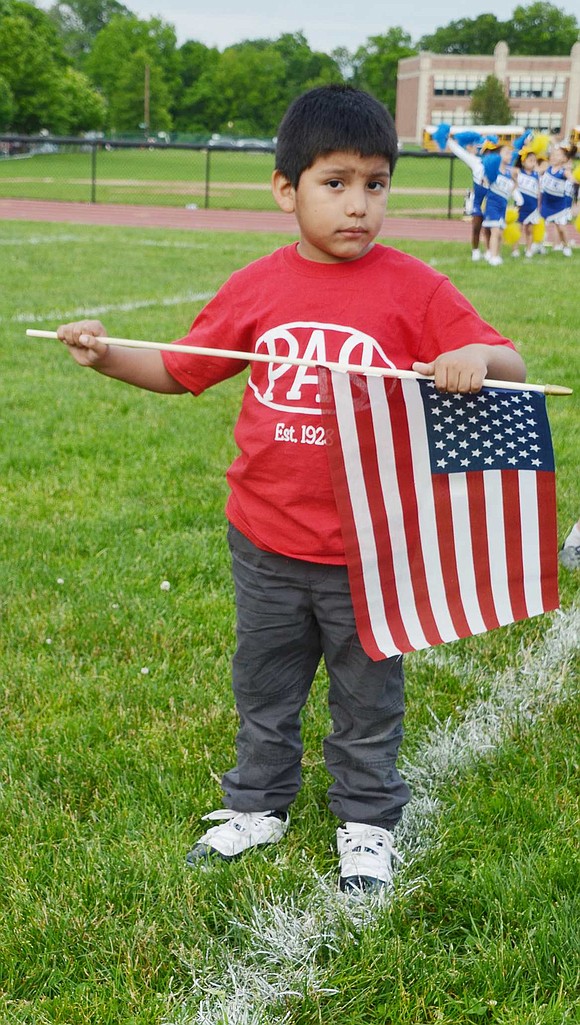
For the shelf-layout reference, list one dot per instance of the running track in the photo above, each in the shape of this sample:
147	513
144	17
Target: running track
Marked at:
208	220
125	215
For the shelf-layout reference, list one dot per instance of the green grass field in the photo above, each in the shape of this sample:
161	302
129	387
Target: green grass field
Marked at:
238	180
117	717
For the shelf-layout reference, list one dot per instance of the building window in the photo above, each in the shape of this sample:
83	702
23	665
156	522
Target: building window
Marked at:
547	87
456	85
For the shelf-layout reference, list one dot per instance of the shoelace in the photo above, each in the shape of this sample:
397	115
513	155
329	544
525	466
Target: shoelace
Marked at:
245	818
369	839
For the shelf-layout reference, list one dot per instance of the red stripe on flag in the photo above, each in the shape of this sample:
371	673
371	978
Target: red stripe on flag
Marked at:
382	539
512	524
546	484
448	555
405	477
347	522
478	526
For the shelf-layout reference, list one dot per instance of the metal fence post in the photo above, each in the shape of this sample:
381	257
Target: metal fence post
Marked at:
450	196
94	172
207	163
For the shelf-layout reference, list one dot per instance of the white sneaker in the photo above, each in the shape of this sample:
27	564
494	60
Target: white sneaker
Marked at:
495	261
366	857
475	255
238	831
569	556
487	255
515	253
529	253
566	251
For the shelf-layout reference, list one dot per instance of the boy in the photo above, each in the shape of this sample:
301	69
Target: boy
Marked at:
337	296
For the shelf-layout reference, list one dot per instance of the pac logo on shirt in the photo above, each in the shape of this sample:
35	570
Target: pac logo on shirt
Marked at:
294	389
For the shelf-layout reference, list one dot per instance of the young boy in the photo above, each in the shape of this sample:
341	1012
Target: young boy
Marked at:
335	295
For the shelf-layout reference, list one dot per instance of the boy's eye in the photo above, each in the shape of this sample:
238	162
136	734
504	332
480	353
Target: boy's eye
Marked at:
376	186
334	183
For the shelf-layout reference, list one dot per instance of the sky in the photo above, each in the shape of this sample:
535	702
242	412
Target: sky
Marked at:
325	23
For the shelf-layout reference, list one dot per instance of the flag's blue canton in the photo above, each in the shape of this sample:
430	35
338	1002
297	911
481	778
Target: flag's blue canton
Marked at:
494	430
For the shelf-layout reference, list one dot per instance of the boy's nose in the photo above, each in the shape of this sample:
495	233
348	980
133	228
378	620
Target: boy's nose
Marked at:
356	202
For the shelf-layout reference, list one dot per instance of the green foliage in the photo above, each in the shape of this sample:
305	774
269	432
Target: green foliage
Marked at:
7	105
32	68
376	64
127	109
541	28
79	21
535	28
84	108
467	35
489	103
124	45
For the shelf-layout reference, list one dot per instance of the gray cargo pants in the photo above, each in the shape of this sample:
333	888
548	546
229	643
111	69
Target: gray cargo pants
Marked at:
290	614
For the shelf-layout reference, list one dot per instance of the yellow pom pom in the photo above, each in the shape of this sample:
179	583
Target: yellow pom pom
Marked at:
539	230
577	223
576	172
511	234
540	145
511	215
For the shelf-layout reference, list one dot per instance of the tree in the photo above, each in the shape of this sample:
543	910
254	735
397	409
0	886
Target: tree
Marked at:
245	92
85	109
375	64
119	51
33	71
467	35
130	109
489	103
538	28
80	21
194	60
7	105
543	29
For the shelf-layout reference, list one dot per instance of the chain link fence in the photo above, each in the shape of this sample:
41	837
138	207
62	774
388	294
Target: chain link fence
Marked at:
216	175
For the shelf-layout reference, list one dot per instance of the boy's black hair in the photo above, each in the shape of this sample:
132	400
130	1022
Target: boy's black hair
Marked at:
333	118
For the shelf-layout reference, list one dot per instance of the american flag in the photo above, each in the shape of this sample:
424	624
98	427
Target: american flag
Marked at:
447	506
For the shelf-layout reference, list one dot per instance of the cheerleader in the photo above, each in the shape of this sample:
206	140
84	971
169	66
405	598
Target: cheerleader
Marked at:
470	154
528	185
555	205
500	175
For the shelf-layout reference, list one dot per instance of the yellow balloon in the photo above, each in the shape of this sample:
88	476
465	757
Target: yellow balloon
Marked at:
511	215
539	230
511	234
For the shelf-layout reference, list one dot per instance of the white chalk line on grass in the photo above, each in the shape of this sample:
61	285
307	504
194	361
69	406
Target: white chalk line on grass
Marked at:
280	961
134	243
62	316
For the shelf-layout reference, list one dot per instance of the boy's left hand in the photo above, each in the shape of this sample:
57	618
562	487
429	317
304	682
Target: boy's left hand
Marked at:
456	371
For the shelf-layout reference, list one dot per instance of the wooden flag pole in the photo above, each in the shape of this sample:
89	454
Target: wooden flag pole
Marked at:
263	357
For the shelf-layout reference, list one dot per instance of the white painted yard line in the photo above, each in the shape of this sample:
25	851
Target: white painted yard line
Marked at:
130	241
286	938
55	317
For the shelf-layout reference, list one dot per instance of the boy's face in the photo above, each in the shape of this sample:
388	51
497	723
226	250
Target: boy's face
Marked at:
339	204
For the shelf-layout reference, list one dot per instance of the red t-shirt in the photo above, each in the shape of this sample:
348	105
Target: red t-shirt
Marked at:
384	309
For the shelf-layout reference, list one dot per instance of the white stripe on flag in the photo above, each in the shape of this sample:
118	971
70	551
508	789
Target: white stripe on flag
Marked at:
528	485
496	546
361	513
426	510
394	512
464	552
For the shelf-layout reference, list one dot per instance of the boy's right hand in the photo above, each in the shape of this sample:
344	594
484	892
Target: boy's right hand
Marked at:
81	338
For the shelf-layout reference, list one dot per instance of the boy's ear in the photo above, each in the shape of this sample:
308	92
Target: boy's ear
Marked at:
283	192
